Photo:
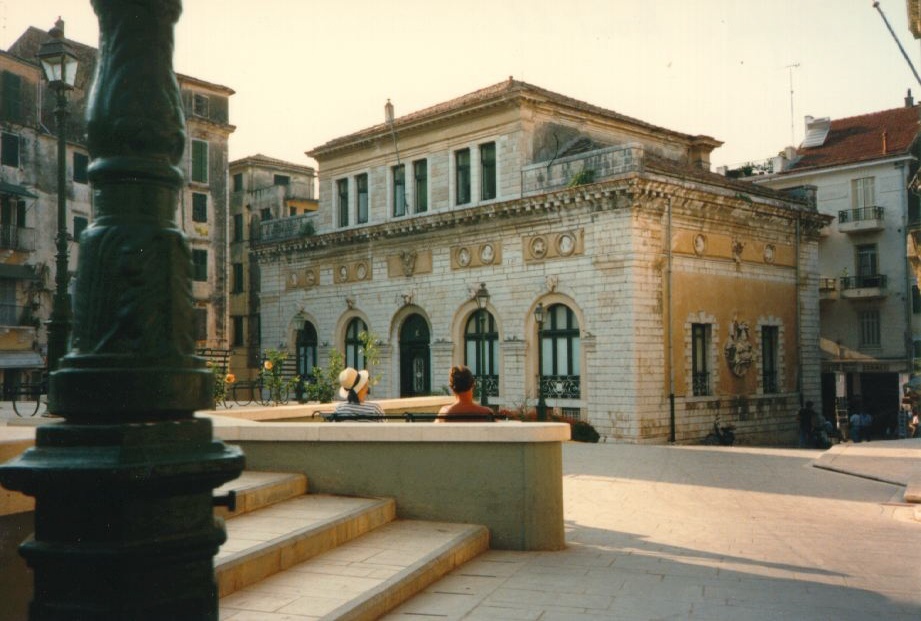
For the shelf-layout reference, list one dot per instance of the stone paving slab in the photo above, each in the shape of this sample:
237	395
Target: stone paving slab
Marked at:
716	533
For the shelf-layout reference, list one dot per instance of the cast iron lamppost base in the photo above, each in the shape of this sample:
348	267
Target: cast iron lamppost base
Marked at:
59	66
123	487
541	404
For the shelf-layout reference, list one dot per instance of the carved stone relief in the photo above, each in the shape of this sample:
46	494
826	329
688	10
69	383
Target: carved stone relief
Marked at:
554	245
355	271
408	263
738	348
476	255
302	279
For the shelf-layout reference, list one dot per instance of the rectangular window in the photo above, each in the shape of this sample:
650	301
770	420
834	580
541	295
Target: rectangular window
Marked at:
200	265
238	182
342	200
238	227
265	214
863	192
11	105
462	176
9	149
199	161
281	180
868	321
237	278
488	171
81	163
398	174
201	324
80	224
199	207
700	349
361	205
769	353
238	331
915	300
421	189
200	105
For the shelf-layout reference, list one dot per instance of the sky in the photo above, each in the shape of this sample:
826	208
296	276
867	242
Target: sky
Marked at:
745	72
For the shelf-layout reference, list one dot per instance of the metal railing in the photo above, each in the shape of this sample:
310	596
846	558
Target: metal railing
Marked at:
287	228
16	238
701	383
588	167
561	386
863	282
861	214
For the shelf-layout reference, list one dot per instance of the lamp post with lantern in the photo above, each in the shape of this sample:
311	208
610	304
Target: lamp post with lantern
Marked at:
59	66
541	404
482	300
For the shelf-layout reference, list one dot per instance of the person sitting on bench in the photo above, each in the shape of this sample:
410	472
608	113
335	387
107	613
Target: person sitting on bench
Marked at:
464	408
354	389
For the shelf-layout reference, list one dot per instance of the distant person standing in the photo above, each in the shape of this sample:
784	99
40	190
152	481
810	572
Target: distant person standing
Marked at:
805	418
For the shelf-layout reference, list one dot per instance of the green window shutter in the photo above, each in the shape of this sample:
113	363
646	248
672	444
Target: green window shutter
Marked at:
199	161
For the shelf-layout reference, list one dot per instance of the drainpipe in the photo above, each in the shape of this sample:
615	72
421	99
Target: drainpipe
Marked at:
668	323
799	334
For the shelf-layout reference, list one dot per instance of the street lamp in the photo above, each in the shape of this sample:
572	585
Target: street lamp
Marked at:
541	404
482	299
59	65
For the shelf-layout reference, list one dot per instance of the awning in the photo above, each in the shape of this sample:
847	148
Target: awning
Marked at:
18	190
21	360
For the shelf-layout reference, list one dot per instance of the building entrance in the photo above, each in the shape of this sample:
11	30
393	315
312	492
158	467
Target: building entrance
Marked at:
415	358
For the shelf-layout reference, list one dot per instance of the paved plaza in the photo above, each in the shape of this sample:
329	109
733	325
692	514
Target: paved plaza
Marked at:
716	533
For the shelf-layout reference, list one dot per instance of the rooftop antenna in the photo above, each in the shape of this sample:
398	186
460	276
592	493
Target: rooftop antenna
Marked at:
790	68
897	42
388	117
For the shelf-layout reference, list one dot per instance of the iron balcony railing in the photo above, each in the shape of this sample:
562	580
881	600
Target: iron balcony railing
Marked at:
701	381
488	385
561	386
869	281
287	228
861	214
581	169
16	238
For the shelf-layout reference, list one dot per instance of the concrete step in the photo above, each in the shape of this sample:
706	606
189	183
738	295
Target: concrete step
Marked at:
363	578
273	538
255	490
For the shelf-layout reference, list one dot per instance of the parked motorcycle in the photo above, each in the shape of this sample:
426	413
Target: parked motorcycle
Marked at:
722	435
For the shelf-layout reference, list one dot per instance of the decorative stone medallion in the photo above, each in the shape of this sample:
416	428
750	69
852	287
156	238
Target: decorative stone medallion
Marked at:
463	257
487	254
769	253
700	244
539	247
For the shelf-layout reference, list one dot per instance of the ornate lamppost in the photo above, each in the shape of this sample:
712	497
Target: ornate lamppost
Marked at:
59	66
541	404
482	300
123	486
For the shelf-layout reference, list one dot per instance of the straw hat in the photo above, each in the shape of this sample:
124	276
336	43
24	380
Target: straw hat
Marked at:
350	379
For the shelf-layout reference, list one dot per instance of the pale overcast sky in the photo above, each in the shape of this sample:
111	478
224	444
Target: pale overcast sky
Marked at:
308	71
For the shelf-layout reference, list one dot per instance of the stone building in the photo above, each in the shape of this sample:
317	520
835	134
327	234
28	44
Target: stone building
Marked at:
670	294
28	197
268	198
865	171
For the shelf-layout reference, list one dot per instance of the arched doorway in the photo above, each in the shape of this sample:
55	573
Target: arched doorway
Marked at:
306	343
415	363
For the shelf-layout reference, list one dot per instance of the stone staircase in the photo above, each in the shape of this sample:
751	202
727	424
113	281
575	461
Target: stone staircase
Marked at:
292	555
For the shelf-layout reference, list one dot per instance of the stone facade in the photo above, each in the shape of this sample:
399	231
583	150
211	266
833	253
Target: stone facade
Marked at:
28	191
269	198
614	227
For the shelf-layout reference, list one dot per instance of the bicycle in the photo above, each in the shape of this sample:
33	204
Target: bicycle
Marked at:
242	392
27	398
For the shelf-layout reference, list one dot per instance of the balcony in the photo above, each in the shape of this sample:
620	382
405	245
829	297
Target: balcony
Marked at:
867	287
861	220
277	197
286	228
580	169
828	289
17	238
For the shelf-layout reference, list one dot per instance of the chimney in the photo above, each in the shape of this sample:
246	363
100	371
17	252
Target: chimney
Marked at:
60	25
909	100
885	136
388	112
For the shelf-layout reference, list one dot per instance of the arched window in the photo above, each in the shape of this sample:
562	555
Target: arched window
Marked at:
306	343
354	349
481	352
560	354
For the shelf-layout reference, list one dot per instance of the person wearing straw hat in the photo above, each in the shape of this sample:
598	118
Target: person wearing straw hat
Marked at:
354	387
